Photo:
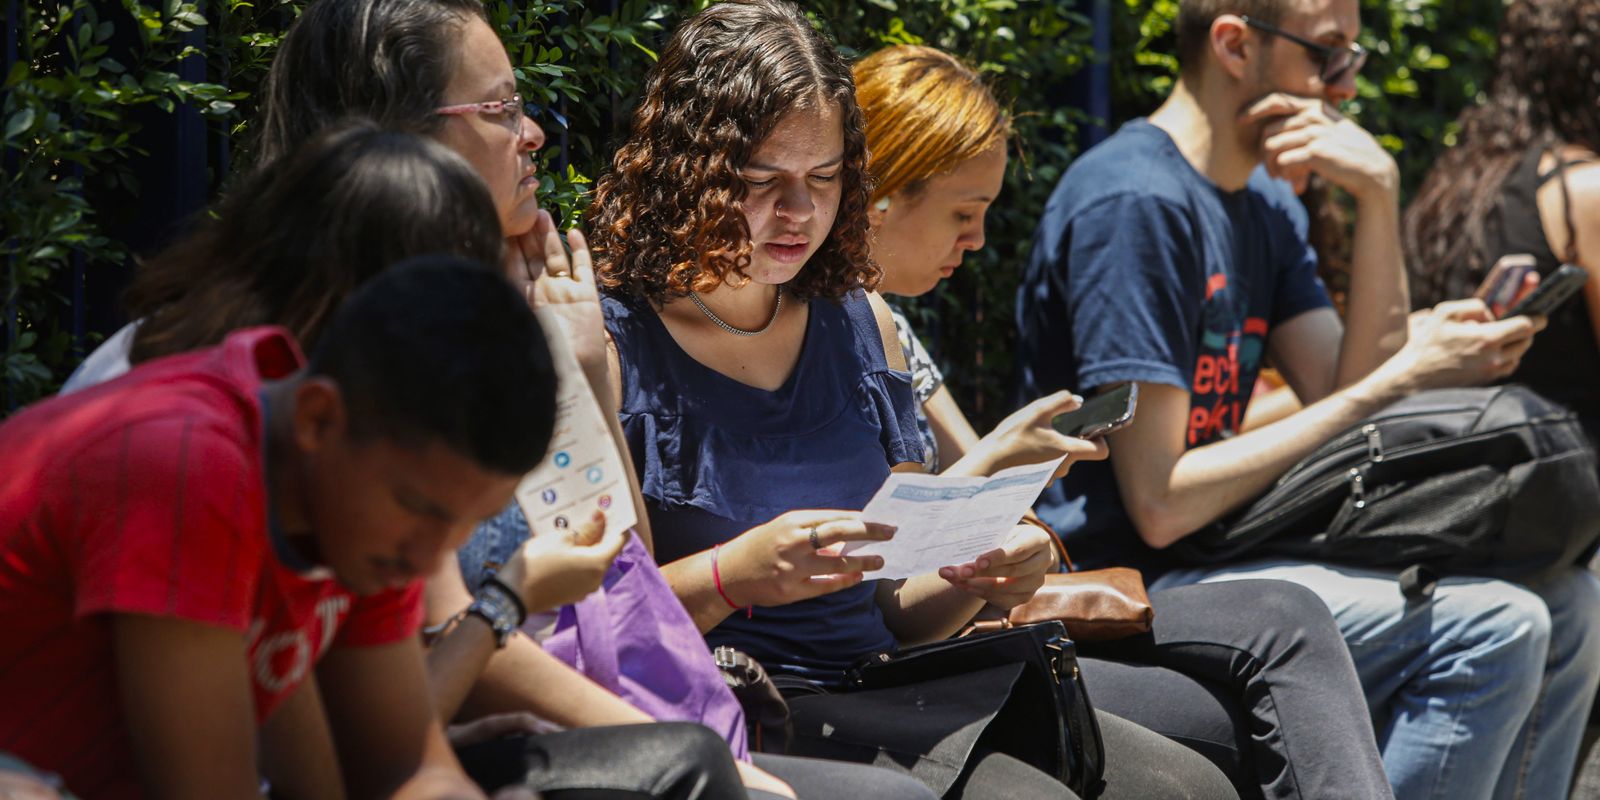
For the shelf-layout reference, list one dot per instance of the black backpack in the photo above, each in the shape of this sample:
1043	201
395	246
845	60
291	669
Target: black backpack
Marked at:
1494	481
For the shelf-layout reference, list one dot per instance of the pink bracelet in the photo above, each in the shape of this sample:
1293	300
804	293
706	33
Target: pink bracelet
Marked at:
716	578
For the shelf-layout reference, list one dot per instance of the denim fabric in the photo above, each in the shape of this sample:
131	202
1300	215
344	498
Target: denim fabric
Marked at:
1454	683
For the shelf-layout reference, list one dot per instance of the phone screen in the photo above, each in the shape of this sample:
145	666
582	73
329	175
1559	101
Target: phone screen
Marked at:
1101	414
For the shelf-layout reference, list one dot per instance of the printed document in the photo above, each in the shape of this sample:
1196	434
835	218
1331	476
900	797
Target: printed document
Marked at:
582	470
942	521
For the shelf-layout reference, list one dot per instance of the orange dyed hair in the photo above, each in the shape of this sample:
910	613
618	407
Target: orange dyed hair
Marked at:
927	113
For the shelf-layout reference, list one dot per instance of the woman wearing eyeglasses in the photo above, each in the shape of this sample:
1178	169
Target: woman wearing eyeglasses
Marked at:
436	68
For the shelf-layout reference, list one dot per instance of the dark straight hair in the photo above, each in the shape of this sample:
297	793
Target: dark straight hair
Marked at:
291	241
386	60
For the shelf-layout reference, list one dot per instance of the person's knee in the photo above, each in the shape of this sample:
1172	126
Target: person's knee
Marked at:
1502	626
690	754
689	741
1283	617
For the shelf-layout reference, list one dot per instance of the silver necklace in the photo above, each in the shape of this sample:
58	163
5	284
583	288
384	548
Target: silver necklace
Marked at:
695	296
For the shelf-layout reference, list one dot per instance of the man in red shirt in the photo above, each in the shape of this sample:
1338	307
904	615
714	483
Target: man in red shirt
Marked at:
223	540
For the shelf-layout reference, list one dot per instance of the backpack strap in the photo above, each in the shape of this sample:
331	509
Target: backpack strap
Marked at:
1417	583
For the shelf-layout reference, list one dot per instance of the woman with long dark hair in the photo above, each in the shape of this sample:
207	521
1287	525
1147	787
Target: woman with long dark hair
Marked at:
759	375
1523	179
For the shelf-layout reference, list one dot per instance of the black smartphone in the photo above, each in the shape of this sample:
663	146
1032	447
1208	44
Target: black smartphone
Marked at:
1552	292
1101	414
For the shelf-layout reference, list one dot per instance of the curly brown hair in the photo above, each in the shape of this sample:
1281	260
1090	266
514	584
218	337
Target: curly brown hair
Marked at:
1545	93
669	217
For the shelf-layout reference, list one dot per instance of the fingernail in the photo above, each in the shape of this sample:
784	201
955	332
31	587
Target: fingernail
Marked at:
1078	397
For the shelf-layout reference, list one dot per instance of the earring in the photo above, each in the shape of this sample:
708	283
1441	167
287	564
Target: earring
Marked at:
883	204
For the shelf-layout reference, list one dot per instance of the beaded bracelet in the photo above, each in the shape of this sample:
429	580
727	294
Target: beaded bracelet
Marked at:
716	578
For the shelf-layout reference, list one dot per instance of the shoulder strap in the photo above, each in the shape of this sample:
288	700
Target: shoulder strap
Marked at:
1560	171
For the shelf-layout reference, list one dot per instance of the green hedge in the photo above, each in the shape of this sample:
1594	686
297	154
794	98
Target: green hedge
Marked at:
66	117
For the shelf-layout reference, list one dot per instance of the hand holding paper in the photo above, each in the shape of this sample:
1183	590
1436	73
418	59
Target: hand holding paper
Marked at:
943	521
582	473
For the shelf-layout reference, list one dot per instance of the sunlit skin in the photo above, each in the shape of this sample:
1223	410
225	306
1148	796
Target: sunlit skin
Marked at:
791	200
378	514
923	236
1293	69
501	157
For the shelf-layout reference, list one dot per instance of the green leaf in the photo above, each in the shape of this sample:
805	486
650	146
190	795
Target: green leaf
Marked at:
19	123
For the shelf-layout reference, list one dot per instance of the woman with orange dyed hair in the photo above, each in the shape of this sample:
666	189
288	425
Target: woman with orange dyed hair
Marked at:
1242	674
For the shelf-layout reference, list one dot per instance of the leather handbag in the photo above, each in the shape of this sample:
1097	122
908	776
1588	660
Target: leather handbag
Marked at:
1096	605
1071	750
766	713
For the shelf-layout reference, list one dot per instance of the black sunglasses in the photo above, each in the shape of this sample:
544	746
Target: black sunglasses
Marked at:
1336	61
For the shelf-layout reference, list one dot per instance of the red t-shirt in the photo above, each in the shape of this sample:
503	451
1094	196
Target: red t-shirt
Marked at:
146	495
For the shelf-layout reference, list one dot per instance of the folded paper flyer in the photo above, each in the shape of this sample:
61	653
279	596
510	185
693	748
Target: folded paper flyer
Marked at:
943	521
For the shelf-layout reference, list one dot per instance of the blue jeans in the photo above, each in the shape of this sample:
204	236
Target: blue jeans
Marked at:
1481	692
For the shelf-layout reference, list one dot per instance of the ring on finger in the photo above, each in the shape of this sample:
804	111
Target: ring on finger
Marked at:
816	544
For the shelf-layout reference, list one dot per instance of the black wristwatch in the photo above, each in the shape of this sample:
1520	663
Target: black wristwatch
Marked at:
497	605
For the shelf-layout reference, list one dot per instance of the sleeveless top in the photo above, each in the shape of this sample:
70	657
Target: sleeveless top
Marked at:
1564	362
716	457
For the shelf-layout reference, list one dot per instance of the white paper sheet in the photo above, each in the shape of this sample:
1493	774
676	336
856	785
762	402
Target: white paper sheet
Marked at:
582	471
942	521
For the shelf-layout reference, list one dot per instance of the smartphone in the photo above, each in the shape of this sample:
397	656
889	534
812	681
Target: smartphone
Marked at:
1552	291
1101	414
1504	280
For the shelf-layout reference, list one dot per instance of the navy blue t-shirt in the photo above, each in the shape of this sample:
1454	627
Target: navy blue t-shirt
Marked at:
1142	269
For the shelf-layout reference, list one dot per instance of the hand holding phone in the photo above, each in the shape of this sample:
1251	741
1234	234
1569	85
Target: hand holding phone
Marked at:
1101	414
1505	282
1552	292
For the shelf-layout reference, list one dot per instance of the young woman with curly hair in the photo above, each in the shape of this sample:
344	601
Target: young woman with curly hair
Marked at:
759	376
938	140
1524	177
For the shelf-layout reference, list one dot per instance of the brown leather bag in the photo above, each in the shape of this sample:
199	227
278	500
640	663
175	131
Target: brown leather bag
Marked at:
1096	605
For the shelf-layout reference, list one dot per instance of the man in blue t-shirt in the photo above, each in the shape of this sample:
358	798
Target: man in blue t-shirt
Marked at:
1174	255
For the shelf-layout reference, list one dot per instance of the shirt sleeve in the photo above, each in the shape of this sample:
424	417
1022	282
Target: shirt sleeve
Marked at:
1133	292
1298	288
383	618
167	521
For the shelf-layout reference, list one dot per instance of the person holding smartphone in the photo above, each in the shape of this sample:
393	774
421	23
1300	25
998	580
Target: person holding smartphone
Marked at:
1175	254
936	179
1522	186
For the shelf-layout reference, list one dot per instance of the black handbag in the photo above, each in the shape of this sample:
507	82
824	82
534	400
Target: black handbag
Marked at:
1071	749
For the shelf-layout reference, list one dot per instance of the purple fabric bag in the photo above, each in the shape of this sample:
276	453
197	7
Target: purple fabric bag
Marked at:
633	637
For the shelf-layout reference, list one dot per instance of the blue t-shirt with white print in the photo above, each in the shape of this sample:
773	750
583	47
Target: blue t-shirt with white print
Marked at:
1142	269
